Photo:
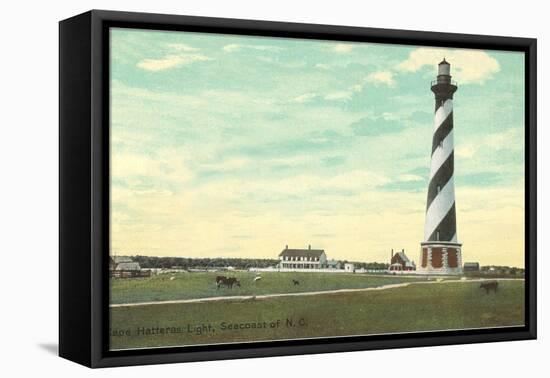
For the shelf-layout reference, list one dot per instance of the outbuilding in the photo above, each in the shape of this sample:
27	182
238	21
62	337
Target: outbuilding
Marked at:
471	267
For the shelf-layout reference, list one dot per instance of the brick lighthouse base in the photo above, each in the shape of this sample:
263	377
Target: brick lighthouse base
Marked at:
440	258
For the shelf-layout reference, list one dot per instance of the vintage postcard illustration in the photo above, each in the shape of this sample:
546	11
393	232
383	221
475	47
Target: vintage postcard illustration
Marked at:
267	189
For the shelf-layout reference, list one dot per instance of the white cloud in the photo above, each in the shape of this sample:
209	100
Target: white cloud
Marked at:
308	185
465	151
505	140
227	165
170	61
376	78
182	47
409	178
306	97
264	48
389	116
342	48
338	96
131	165
233	47
322	66
467	66
381	77
293	161
168	165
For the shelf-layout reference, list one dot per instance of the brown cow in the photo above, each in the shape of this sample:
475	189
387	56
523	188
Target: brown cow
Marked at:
219	278
488	286
229	282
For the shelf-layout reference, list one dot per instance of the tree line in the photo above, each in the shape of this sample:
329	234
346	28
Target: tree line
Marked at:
500	269
367	265
149	262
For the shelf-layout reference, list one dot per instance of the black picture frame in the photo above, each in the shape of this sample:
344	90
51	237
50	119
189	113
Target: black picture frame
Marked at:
84	188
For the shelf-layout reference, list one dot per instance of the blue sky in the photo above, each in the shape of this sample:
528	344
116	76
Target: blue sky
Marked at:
235	146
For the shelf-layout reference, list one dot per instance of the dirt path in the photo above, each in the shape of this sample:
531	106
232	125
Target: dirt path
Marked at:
307	293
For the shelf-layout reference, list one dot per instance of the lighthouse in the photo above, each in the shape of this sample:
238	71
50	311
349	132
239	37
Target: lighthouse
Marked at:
441	253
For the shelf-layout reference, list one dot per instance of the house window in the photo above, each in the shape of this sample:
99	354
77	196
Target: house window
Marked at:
439	188
441	143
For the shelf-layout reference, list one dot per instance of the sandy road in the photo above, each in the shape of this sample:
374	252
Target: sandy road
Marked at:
302	294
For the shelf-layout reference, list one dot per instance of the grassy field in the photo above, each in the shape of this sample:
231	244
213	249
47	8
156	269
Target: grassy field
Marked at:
418	307
201	285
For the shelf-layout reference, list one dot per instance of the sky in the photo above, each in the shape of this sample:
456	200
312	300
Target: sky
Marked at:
235	146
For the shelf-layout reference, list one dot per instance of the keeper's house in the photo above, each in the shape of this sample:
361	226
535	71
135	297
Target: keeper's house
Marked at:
302	258
400	262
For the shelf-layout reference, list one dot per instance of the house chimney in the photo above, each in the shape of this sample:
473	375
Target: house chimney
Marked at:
309	246
286	247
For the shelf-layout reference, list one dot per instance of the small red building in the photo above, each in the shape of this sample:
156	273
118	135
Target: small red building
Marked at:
400	262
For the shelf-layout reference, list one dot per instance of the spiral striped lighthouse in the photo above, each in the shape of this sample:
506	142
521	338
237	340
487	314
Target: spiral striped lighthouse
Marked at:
440	251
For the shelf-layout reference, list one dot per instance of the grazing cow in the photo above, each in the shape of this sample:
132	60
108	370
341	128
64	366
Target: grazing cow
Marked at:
295	282
220	278
229	282
488	286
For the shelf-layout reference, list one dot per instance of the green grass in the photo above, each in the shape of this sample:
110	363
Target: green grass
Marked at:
420	307
201	285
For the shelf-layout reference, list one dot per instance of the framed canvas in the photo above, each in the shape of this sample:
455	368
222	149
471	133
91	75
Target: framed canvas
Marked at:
235	188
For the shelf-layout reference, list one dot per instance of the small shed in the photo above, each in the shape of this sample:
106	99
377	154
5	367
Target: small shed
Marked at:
349	267
122	259
471	267
128	266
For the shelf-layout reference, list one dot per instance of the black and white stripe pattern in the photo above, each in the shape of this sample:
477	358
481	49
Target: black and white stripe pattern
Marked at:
440	209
